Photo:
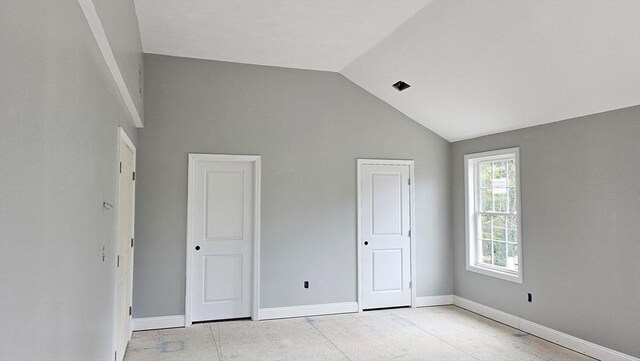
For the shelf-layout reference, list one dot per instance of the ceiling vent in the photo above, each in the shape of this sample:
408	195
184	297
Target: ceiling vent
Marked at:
400	85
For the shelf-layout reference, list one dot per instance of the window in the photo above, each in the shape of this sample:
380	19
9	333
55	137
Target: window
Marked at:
492	206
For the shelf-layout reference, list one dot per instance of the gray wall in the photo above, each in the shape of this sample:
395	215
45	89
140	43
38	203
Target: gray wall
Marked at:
309	127
59	113
580	182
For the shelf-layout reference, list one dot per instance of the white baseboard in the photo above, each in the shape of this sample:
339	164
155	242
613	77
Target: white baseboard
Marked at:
549	334
155	323
434	301
307	310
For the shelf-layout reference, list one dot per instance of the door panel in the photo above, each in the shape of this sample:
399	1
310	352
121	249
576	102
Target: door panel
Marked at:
386	270
224	207
385	238
386	201
221	221
222	278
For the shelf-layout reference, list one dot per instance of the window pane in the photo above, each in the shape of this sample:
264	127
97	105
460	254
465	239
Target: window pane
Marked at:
500	254
501	200
511	170
499	187
499	170
512	257
498	221
512	249
486	200
513	196
486	226
512	229
498	228
485	174
486	252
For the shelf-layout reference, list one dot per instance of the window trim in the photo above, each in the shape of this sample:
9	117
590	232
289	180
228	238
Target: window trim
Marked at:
470	209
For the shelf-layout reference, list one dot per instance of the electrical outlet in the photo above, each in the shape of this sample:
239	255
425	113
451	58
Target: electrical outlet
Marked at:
529	297
306	284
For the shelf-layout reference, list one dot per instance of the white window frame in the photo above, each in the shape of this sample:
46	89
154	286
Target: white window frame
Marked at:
472	202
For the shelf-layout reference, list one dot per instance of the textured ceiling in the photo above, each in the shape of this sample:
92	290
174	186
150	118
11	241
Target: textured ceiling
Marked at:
475	67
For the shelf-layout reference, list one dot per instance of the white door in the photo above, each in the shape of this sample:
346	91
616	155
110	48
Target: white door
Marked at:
124	247
221	220
385	235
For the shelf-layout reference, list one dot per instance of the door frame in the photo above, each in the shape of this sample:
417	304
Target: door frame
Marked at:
122	138
412	215
256	160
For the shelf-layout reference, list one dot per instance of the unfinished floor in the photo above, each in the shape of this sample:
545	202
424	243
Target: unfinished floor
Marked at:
433	333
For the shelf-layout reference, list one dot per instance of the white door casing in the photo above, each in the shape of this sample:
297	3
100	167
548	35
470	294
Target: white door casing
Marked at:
385	234
124	244
222	235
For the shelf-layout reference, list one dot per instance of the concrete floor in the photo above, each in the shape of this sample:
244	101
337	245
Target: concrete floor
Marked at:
431	333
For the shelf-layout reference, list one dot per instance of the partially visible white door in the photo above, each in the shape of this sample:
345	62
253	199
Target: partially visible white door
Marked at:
124	246
385	235
221	220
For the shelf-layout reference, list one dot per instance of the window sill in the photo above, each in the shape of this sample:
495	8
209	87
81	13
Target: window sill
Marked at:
504	275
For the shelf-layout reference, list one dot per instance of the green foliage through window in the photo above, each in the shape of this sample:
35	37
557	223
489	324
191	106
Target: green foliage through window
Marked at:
498	212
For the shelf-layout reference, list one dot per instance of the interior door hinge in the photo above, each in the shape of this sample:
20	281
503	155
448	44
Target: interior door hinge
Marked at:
410	284
115	357
409	233
129	310
134	175
118	261
120	167
409	181
131	242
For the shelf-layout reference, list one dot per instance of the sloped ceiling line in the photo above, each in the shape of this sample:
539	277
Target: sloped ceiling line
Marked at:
475	67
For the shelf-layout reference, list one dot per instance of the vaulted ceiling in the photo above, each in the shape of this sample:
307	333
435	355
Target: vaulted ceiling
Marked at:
475	67
317	34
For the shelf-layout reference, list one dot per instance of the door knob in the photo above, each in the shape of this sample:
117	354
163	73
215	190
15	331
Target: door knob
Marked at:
197	248
366	243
